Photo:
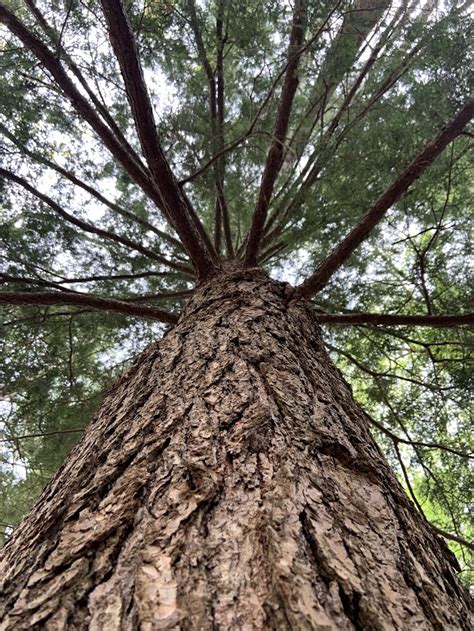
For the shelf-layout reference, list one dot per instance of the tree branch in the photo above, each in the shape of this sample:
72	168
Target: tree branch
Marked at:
80	104
56	40
86	300
62	431
407	479
165	295
417	443
88	114
238	141
294	197
8	278
357	23
439	531
391	320
272	251
453	537
176	206
374	214
423	464
381	375
89	189
297	197
276	152
112	277
215	81
221	205
88	227
410	340
191	5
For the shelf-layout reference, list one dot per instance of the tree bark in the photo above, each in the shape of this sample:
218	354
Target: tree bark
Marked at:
229	481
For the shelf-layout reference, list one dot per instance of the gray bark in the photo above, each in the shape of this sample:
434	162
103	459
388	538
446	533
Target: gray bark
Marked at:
229	481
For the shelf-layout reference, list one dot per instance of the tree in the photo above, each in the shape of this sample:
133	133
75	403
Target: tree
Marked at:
179	159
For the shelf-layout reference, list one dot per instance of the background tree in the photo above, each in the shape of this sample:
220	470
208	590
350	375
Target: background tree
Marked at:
146	148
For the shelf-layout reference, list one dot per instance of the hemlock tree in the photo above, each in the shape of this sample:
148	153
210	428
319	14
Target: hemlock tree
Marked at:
176	163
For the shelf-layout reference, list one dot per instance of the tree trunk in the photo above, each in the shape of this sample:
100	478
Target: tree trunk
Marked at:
229	481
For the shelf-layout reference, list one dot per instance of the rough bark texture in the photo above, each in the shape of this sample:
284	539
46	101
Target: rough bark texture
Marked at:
229	481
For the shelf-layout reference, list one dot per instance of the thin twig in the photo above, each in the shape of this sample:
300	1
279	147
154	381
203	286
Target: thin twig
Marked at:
42	435
417	443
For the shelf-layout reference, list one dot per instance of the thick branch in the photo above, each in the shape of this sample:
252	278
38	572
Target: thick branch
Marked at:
370	219
176	206
88	227
85	300
83	108
388	319
221	202
80	104
56	39
276	153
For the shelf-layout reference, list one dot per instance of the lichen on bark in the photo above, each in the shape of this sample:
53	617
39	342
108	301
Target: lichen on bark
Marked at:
229	481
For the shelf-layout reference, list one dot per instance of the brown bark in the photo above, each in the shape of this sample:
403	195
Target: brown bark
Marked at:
229	481
176	206
276	152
